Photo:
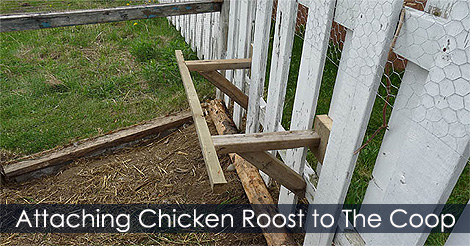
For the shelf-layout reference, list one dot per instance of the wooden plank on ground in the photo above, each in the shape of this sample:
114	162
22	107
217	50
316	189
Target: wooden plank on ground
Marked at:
253	184
218	80
212	65
31	21
256	142
216	175
89	146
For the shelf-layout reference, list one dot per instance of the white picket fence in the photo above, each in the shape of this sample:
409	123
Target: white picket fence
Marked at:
427	144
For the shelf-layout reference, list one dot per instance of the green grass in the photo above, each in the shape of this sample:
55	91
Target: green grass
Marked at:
59	85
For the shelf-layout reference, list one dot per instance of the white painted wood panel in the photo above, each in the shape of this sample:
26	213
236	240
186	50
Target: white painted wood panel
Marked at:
365	60
428	144
243	42
280	62
314	49
231	40
284	29
264	10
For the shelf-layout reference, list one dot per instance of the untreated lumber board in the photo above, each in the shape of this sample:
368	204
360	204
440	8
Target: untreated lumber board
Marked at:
223	64
277	170
86	147
218	80
216	175
322	127
31	21
253	184
256	142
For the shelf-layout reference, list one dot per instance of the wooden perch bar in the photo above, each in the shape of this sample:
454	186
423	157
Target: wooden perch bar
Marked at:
31	21
213	65
218	80
216	175
253	184
90	146
256	142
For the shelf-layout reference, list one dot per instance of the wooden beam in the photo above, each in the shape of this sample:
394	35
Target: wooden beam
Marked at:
253	184
31	21
216	175
90	146
322	127
256	142
226	87
277	170
213	65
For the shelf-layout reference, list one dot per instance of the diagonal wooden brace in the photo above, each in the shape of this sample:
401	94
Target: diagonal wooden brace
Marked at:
219	81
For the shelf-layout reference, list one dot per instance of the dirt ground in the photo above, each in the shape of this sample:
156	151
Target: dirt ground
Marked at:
167	170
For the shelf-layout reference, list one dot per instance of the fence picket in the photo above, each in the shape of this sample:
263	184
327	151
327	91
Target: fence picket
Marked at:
314	49
424	123
364	69
232	36
259	61
243	42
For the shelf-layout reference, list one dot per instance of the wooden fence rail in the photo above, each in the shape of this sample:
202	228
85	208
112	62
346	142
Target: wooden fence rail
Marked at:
31	21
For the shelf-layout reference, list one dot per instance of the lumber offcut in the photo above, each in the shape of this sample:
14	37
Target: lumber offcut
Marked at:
89	146
253	184
31	21
214	170
223	64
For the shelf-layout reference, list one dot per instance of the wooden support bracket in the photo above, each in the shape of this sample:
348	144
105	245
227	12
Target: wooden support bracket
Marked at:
213	65
216	175
218	80
277	170
322	126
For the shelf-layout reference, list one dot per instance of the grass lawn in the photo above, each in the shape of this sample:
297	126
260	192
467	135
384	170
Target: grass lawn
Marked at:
59	85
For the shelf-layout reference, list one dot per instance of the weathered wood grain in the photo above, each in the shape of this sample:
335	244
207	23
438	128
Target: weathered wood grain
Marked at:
260	59
256	142
33	21
212	65
226	87
277	170
215	172
87	147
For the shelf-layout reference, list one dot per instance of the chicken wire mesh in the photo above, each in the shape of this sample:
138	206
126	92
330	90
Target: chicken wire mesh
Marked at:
395	66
